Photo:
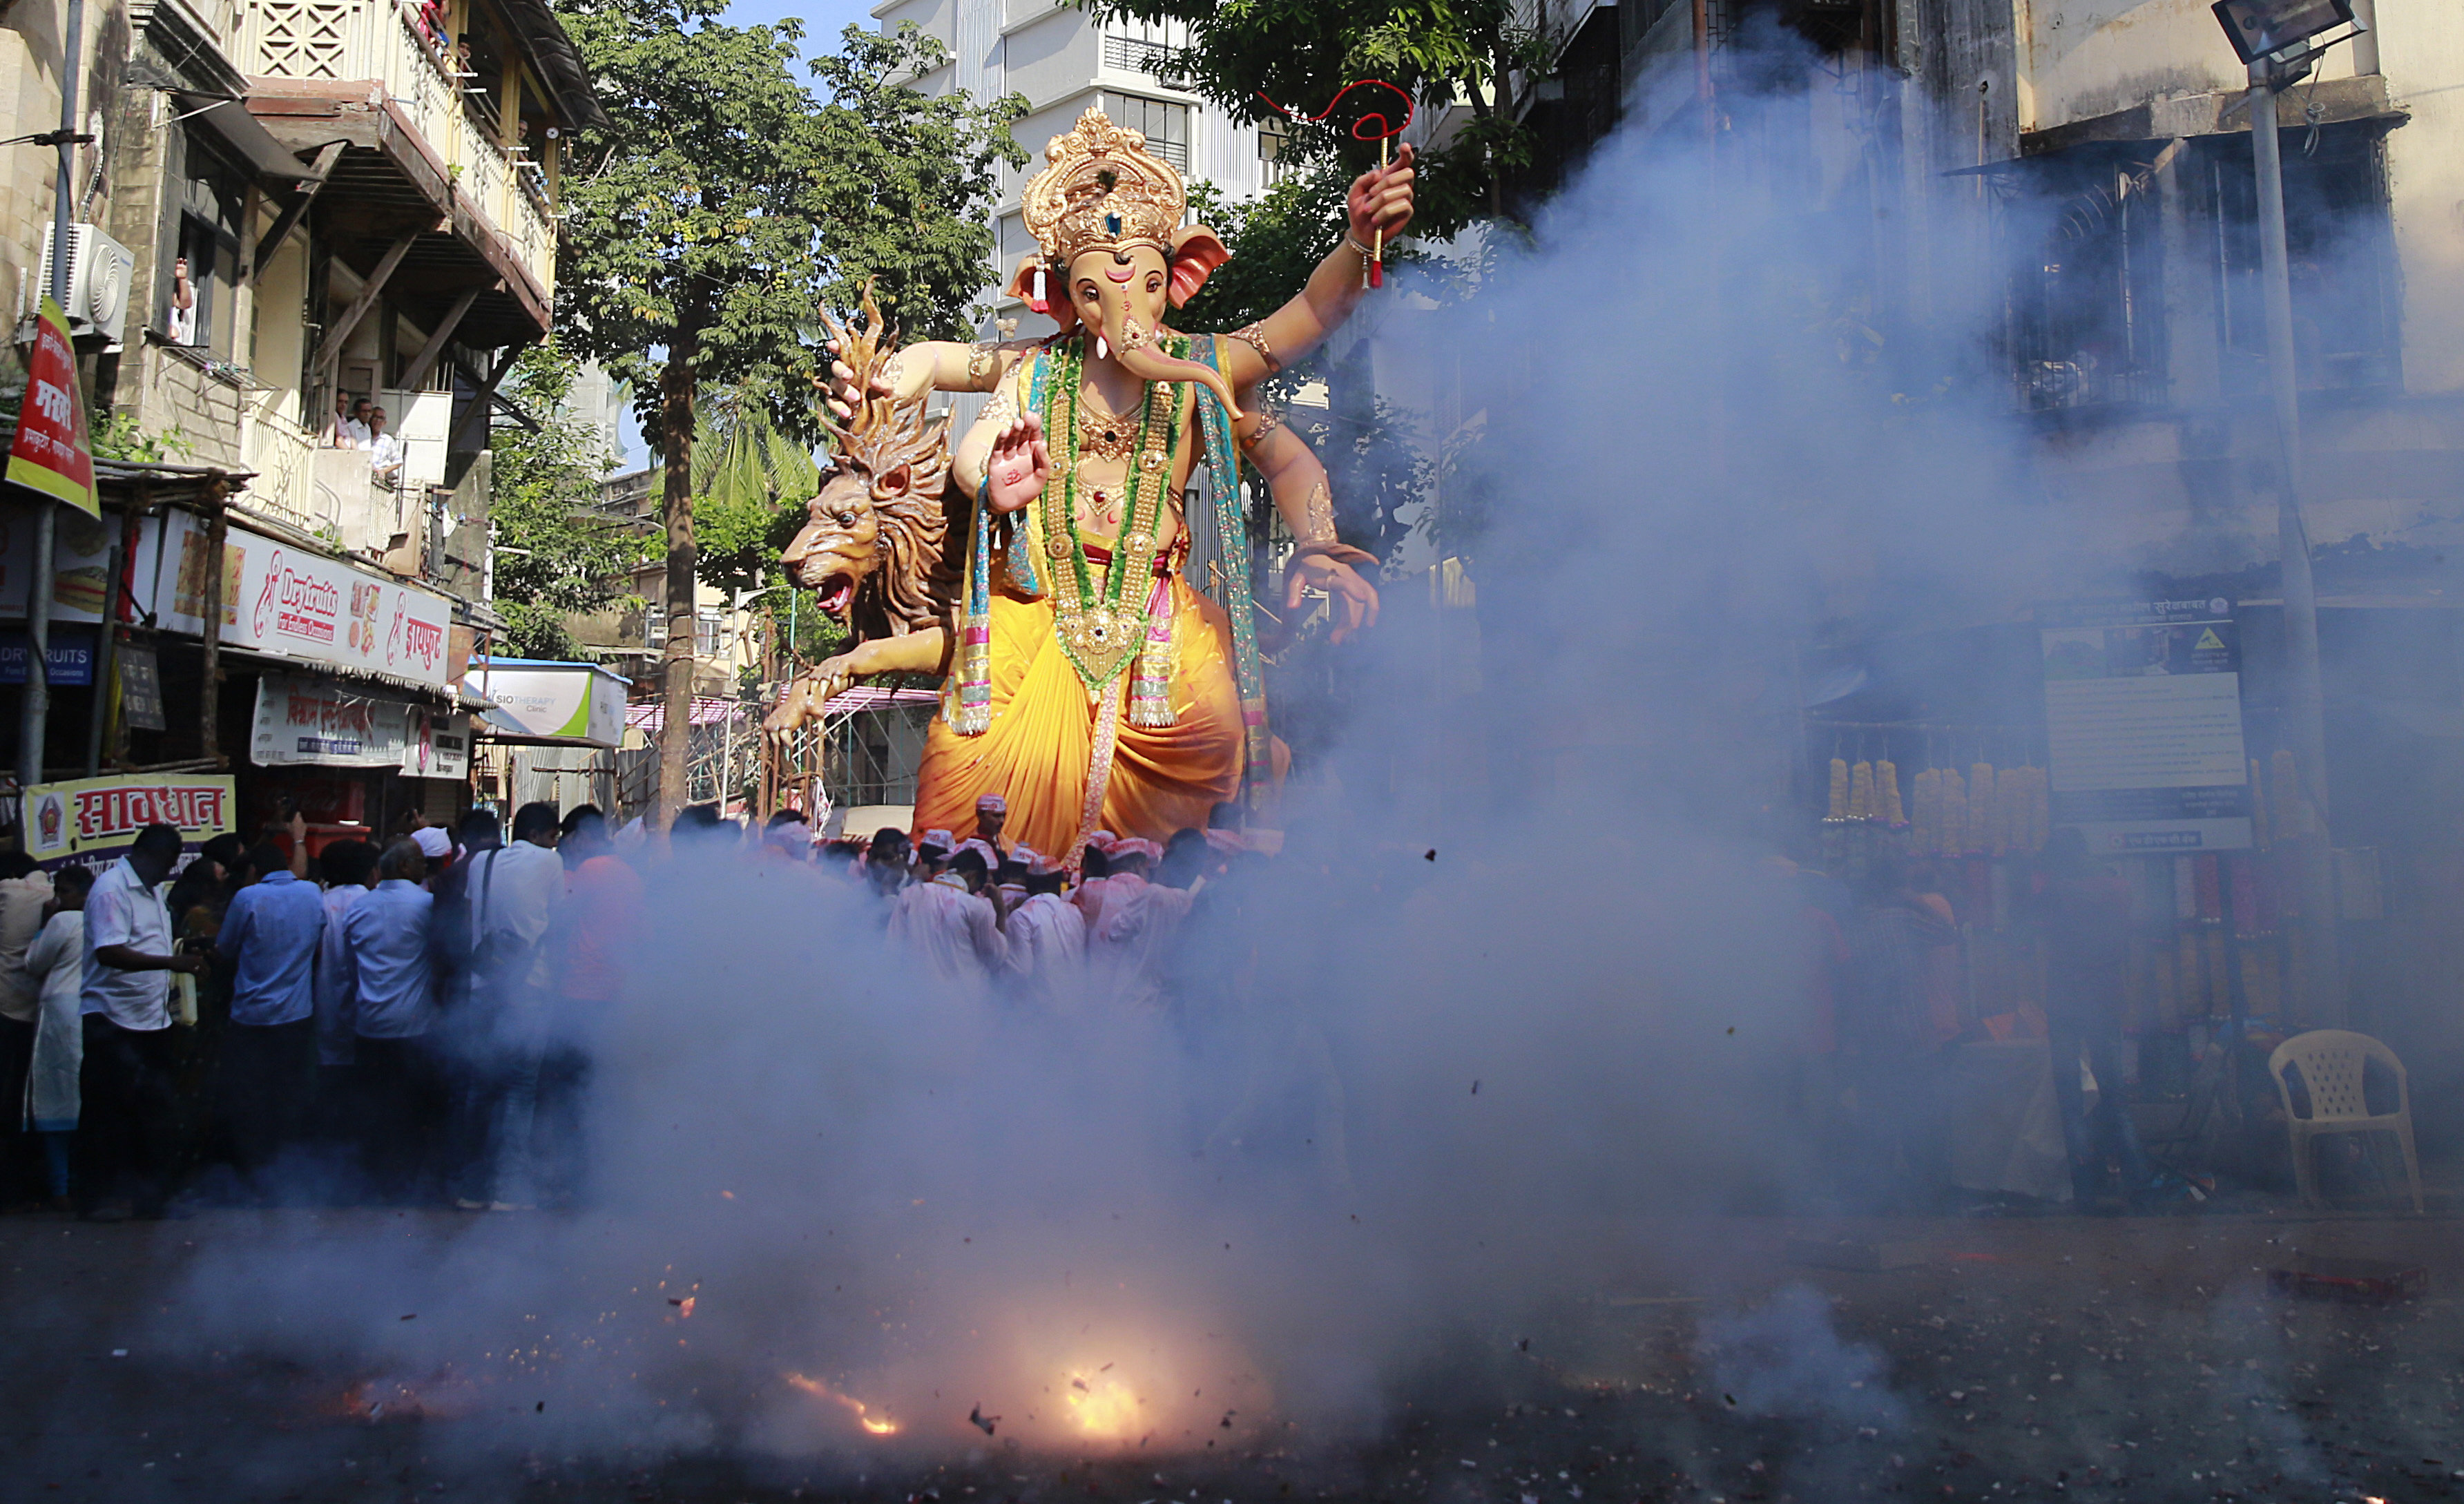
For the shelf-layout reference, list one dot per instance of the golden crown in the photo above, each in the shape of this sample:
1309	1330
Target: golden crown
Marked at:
1103	190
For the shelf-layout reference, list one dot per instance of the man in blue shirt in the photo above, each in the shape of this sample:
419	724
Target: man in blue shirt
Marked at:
269	934
385	960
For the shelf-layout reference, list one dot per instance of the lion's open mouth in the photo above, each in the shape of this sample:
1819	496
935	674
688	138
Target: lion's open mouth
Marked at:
834	591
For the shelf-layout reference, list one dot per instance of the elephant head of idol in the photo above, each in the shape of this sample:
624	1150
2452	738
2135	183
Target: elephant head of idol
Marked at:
1114	256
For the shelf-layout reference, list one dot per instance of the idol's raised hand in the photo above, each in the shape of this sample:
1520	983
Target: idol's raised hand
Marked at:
1019	465
1380	199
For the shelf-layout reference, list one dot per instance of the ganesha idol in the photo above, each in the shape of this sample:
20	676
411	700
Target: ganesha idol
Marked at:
1089	614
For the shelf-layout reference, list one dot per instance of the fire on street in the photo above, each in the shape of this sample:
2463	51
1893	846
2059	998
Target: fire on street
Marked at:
2139	1359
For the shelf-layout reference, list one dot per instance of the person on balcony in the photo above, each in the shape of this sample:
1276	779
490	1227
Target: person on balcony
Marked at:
182	324
356	428
384	450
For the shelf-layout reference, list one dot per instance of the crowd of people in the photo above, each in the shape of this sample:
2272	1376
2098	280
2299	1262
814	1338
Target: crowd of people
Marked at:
412	1023
985	912
409	1026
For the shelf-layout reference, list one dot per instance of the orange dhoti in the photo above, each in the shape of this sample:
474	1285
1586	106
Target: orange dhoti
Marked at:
1044	734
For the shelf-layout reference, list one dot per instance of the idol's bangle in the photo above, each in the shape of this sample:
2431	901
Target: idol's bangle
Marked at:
1332	551
1353	242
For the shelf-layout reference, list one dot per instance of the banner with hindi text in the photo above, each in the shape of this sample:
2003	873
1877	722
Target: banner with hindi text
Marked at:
93	820
51	453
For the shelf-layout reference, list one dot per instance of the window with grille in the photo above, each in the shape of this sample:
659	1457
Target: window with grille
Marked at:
1274	142
1166	125
2086	300
1142	47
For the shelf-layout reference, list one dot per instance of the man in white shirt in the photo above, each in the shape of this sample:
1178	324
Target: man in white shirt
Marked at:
1047	937
181	322
384	450
125	1083
55	968
24	891
949	923
514	892
357	429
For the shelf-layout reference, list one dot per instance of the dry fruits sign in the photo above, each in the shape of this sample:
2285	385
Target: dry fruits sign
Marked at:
284	600
92	820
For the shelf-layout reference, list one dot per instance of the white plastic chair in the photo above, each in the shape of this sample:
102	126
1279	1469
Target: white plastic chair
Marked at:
2331	1062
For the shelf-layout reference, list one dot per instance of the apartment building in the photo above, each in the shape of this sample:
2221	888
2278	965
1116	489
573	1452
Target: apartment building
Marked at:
288	206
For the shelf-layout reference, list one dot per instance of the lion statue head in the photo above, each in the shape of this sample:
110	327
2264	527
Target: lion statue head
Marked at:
878	547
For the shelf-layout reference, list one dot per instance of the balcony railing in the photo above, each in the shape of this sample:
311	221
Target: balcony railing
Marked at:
382	40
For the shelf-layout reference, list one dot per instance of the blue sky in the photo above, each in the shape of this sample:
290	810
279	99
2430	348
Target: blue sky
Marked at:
823	21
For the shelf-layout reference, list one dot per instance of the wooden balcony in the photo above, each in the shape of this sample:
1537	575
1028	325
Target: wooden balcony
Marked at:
363	73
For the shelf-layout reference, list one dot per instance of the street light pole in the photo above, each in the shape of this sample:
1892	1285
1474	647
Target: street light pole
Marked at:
2305	718
34	714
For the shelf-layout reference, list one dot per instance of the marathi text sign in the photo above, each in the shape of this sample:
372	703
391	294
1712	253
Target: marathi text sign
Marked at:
285	600
94	819
2143	722
320	722
51	453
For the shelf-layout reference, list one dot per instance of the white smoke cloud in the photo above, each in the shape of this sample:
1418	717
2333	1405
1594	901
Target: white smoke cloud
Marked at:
1408	1107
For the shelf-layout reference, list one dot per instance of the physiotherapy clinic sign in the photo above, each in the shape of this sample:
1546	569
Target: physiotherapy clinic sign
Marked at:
92	820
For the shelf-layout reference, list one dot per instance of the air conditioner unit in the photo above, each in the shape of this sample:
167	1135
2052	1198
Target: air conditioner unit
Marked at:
100	268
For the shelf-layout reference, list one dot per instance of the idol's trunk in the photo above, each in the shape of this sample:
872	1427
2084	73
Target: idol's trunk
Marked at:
1147	362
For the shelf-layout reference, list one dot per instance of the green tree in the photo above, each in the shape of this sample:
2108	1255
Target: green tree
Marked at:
556	554
1301	53
727	201
751	483
1276	240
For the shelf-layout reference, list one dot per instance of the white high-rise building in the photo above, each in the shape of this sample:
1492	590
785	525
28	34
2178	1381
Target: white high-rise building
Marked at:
1063	60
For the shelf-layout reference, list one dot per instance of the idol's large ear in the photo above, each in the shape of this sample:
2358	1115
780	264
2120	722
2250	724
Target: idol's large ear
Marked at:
1040	292
1196	253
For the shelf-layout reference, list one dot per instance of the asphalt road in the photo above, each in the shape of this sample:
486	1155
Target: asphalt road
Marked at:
2140	1360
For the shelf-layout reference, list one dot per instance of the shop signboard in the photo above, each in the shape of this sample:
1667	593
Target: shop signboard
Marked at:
322	722
567	701
91	821
2143	723
80	560
439	745
68	656
141	688
281	599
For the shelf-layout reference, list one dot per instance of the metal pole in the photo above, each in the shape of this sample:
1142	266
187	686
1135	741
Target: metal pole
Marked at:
33	724
106	644
217	531
2305	722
